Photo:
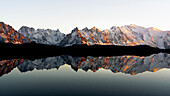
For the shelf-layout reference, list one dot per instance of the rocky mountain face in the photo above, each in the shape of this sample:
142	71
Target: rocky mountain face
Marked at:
125	64
9	35
128	35
42	36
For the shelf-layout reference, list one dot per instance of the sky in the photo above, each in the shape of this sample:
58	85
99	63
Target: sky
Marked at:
65	15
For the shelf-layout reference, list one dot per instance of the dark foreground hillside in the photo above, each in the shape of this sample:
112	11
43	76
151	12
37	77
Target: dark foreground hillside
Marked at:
35	51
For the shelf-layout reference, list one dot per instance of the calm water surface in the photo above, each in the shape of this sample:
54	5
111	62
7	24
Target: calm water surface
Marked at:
66	81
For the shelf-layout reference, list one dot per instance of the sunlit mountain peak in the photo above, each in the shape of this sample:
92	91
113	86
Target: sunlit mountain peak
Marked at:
154	29
133	25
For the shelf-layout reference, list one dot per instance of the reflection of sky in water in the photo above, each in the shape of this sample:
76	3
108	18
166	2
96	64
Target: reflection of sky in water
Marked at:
66	81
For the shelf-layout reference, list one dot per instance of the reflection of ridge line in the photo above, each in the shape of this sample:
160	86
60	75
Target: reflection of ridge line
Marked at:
7	66
117	64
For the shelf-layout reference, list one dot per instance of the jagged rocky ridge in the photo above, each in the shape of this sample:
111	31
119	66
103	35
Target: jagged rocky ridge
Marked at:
125	64
128	35
9	35
42	36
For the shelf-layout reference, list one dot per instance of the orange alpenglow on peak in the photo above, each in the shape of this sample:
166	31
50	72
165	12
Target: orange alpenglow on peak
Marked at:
133	25
94	28
155	29
9	35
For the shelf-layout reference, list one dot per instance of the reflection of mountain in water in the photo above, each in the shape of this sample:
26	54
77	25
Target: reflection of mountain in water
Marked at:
125	64
7	65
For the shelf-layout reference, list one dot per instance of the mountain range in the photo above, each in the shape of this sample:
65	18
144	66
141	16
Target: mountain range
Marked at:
128	35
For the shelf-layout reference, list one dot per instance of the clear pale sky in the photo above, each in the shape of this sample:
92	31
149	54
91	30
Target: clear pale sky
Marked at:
65	15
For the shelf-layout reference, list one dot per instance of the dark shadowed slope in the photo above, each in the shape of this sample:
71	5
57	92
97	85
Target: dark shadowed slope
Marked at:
34	51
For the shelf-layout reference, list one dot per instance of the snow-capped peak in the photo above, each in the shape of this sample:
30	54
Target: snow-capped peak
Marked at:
128	35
